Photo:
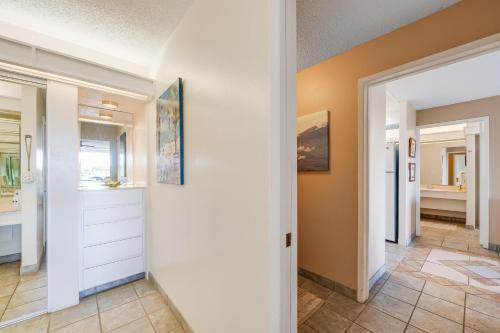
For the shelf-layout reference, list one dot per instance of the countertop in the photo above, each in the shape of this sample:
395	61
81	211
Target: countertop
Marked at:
6	205
443	192
443	188
106	188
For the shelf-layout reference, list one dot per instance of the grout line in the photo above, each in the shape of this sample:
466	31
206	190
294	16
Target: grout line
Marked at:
416	303
99	314
10	300
142	306
465	309
310	327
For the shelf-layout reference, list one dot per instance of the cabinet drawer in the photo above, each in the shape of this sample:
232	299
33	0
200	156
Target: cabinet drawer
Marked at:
111	252
99	215
97	276
112	197
110	232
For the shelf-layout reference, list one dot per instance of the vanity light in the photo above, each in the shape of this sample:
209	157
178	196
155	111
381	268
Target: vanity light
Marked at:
106	115
109	104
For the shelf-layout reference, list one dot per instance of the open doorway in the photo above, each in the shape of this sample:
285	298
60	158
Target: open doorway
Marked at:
454	180
433	125
23	270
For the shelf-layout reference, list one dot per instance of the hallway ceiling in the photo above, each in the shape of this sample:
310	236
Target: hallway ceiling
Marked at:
326	28
463	81
129	30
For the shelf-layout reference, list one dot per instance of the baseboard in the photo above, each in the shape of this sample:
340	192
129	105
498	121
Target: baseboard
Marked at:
442	218
494	247
30	269
35	267
110	285
330	284
10	258
376	277
171	305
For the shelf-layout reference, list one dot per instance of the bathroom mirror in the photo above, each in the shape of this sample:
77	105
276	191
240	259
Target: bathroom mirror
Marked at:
10	166
105	146
456	168
443	163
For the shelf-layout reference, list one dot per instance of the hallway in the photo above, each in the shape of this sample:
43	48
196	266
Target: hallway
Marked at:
135	307
444	282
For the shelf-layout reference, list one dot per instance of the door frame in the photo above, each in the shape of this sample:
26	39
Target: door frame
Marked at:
484	174
283	168
460	53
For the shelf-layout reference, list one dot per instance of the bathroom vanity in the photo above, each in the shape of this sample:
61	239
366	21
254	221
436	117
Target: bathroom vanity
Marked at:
112	237
446	202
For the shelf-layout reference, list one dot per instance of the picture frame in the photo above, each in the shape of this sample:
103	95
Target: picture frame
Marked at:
411	172
412	147
170	135
313	140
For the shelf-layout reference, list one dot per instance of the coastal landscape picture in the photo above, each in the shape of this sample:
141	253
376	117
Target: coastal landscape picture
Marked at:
312	142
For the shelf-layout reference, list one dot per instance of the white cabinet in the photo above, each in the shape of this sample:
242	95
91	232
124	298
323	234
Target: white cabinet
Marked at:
112	238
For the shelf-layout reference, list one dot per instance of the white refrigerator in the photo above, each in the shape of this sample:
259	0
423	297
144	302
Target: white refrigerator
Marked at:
391	179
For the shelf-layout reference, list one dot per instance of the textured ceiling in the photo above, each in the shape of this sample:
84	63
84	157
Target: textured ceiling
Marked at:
329	27
132	30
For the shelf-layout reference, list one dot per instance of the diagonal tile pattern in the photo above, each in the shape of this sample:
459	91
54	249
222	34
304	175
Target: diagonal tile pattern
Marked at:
444	283
136	307
21	294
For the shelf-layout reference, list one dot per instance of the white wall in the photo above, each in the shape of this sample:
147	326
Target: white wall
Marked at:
407	190
32	211
430	161
12	104
208	239
39	170
10	240
377	186
63	210
140	147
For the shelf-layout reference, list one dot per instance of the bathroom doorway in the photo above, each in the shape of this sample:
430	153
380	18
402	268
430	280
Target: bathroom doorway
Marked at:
453	182
23	270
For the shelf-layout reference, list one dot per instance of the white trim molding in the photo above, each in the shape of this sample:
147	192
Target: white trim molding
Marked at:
283	168
470	50
29	60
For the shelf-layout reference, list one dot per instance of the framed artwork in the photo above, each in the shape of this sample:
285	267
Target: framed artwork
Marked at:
313	142
170	136
412	147
411	172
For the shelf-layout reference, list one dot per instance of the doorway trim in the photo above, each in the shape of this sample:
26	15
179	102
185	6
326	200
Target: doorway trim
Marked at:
484	174
283	169
457	54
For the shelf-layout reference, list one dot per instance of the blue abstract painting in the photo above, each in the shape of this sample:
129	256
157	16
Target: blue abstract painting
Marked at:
170	136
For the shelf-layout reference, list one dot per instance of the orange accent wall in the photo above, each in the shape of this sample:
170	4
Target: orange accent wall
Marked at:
327	201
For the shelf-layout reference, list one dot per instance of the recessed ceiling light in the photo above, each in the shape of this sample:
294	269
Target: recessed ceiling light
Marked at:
109	104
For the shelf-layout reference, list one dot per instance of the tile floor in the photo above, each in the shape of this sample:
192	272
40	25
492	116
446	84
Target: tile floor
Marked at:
136	307
445	282
21	295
